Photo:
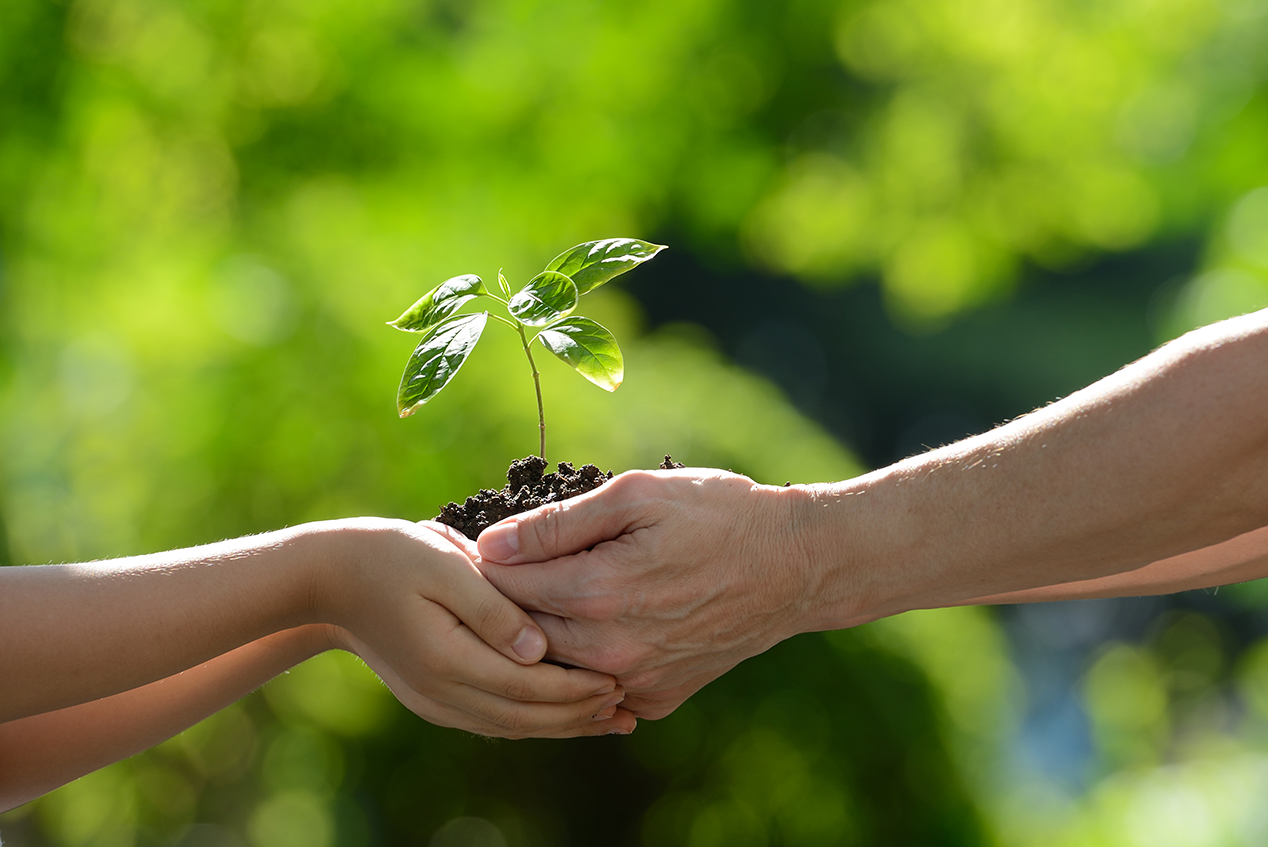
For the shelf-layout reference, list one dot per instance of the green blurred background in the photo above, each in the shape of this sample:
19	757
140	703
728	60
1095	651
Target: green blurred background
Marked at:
892	223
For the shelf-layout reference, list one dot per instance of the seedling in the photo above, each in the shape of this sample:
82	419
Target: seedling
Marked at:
542	308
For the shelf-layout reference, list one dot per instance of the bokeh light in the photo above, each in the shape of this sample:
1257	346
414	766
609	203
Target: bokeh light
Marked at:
890	222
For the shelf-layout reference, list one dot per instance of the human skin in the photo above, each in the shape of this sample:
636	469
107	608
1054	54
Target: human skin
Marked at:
1152	479
1240	559
104	659
44	751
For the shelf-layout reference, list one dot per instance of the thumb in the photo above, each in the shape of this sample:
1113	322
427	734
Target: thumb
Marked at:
560	529
498	622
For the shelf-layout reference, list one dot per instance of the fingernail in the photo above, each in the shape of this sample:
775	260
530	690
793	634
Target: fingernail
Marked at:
613	700
604	717
619	732
530	644
500	542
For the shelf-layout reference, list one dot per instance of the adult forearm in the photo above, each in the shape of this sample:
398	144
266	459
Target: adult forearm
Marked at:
45	751
1167	456
75	633
668	579
1240	559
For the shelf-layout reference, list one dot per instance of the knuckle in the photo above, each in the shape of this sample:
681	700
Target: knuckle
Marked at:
633	484
544	530
519	690
488	612
513	722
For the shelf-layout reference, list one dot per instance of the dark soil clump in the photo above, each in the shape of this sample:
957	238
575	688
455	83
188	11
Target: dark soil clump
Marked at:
527	487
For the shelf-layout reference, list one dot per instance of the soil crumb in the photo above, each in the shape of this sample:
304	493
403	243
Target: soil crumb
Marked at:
527	487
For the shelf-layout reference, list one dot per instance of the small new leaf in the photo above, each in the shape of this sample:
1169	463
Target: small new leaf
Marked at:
437	359
548	296
595	262
589	348
546	303
439	303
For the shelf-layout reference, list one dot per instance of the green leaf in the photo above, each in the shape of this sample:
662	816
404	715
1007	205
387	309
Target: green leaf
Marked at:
437	359
587	347
547	297
506	289
439	303
595	262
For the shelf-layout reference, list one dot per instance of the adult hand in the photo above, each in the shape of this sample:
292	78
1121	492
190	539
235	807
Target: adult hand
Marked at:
452	649
665	579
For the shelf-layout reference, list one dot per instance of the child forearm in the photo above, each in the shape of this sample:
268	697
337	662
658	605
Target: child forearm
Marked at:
400	594
77	633
44	751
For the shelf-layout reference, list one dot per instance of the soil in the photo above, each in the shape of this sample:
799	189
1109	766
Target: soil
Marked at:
527	487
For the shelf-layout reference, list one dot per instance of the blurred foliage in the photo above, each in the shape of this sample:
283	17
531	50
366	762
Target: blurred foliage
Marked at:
209	208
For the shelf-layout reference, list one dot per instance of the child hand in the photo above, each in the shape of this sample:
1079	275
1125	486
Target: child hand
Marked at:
453	650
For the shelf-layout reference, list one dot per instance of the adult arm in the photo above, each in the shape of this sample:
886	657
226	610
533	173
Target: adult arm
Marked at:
668	579
412	604
1240	559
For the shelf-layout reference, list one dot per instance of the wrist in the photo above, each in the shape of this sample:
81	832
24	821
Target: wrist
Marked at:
331	554
277	574
805	560
841	529
339	556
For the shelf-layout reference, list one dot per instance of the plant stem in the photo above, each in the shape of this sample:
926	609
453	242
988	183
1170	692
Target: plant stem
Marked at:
537	384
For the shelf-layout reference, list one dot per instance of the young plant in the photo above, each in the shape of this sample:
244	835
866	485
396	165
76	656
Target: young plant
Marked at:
544	308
